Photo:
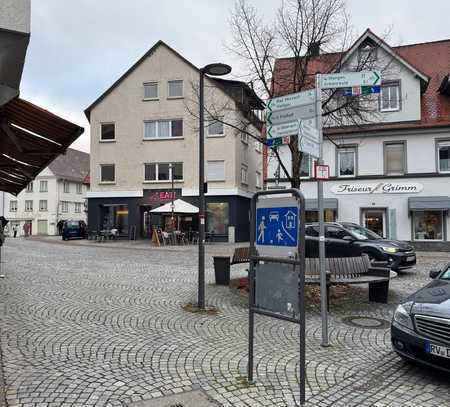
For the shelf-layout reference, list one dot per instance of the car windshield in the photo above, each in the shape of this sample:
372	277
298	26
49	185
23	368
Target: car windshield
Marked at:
72	225
362	233
446	275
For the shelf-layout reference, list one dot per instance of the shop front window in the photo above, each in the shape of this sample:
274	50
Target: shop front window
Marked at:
428	225
218	218
115	217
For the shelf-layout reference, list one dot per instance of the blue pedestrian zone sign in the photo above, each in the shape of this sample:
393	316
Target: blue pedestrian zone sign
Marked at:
277	226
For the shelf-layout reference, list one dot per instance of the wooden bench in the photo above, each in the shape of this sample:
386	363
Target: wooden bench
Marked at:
241	255
352	270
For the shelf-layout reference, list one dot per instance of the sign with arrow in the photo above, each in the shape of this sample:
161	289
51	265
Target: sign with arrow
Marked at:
287	110
349	79
291	100
292	114
282	130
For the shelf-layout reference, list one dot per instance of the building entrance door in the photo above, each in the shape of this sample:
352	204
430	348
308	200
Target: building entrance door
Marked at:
42	227
375	220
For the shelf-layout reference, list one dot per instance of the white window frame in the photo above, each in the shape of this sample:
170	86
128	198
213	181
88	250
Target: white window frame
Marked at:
107	140
258	183
77	207
151	83
157	181
386	146
157	130
439	144
218	179
182	89
310	167
100	174
244	174
355	169
383	89
209	123
13	206
443	224
79	188
41	183
66	190
28	207
41	207
244	138
29	187
65	206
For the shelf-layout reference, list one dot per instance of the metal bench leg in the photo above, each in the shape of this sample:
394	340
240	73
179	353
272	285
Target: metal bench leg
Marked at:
378	292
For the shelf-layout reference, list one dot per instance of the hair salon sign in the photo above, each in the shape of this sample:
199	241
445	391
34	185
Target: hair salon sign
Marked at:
378	188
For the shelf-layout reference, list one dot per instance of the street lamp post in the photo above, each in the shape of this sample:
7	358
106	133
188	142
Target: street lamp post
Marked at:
172	204
214	70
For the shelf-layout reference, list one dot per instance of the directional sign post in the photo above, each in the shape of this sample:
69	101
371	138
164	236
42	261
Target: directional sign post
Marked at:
349	79
284	112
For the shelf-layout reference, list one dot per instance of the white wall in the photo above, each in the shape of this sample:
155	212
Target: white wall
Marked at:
125	106
15	15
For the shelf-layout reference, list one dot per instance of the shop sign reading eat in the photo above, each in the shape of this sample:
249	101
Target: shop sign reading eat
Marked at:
162	196
378	188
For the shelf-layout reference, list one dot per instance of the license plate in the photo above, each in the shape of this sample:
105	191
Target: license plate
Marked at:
437	350
411	258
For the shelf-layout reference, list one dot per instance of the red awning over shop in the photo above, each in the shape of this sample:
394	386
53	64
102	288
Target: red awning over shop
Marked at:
30	139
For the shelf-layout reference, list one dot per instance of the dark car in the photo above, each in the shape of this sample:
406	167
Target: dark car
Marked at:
344	239
420	329
74	229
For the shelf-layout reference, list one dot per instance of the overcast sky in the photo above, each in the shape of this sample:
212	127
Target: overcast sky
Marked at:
79	48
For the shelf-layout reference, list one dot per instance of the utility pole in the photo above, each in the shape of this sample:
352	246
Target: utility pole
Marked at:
322	269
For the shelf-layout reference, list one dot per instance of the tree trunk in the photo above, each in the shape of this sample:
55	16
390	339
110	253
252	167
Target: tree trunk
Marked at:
297	156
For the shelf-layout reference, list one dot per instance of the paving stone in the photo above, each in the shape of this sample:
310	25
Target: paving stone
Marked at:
84	325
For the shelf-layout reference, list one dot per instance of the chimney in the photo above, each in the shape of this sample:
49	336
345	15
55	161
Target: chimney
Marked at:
314	49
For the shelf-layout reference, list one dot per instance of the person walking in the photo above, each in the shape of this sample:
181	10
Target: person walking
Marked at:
15	231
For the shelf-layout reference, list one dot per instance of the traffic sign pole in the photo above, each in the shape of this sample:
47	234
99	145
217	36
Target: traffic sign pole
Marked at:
323	276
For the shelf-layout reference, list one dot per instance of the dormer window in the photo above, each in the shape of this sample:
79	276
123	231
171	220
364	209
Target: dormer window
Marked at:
390	97
367	54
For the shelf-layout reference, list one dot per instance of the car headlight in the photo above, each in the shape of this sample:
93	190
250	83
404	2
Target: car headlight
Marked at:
389	249
402	317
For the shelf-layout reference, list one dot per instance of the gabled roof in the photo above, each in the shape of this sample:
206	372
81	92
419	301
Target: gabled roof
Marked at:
224	84
72	166
368	34
429	60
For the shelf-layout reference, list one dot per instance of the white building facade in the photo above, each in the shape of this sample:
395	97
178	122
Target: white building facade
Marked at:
393	174
58	193
144	134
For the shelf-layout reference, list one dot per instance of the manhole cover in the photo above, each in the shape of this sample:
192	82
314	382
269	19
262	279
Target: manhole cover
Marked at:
195	398
366	322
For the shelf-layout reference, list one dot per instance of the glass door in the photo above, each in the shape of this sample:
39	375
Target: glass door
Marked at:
375	220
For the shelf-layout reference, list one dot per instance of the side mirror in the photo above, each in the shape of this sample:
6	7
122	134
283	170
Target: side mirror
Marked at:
434	273
348	238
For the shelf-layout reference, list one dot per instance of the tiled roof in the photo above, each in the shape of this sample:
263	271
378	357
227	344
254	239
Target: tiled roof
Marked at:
73	165
431	58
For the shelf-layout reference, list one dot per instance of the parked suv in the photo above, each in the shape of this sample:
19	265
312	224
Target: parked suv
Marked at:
344	239
74	228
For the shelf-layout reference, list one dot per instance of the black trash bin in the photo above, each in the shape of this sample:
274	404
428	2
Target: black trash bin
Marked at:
222	270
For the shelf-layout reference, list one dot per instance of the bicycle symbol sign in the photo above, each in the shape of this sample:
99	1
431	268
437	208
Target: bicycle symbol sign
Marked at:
277	226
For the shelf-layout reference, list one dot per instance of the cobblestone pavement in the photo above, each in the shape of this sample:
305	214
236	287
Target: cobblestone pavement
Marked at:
90	326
